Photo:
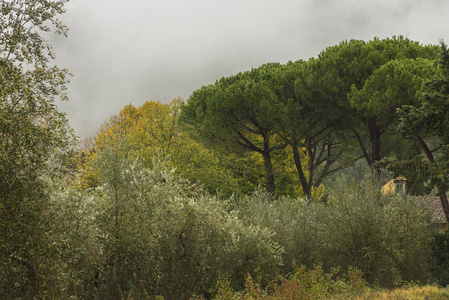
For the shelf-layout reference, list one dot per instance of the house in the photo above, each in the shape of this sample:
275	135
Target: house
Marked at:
395	186
433	203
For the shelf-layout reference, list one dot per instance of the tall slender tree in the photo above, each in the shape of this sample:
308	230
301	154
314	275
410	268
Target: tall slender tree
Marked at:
34	141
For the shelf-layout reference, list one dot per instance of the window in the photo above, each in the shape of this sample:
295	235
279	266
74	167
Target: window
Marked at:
399	187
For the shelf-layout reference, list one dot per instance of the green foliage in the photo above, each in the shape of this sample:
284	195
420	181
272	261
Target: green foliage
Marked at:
310	124
392	85
325	107
157	234
429	120
238	113
75	253
427	124
293	221
35	142
236	109
388	239
378	71
145	232
440	258
352	62
302	284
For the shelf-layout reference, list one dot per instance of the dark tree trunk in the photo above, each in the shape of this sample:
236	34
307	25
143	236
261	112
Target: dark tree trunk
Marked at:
375	134
443	198
365	153
269	171
302	178
270	187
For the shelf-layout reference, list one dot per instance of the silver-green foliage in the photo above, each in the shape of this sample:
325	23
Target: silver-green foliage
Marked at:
147	231
387	238
156	233
292	220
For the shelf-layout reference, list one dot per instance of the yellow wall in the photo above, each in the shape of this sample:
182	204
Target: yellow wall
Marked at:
388	188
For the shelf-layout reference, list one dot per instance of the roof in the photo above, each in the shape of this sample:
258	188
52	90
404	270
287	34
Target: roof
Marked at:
434	205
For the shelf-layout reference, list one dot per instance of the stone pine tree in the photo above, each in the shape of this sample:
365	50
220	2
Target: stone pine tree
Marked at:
239	113
393	85
347	67
311	124
429	122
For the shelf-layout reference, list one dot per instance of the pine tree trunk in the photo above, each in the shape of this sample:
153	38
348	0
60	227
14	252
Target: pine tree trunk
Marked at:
443	198
375	145
302	178
269	170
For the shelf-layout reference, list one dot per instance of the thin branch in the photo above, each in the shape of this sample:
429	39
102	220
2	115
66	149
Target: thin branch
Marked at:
345	166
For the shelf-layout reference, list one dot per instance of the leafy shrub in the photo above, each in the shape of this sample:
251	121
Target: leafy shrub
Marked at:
156	234
440	258
145	231
412	293
302	284
387	238
292	220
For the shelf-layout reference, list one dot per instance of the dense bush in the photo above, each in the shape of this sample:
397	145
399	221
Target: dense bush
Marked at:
387	238
294	222
148	232
440	261
302	284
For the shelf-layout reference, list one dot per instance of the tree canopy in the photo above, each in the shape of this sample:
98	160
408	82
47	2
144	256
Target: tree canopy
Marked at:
323	107
238	113
35	142
349	66
427	122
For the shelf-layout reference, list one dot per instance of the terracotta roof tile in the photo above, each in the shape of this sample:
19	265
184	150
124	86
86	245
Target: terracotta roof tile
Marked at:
434	204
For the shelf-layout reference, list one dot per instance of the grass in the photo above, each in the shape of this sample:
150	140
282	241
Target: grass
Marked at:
410	293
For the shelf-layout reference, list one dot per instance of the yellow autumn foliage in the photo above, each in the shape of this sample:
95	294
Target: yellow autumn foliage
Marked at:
153	128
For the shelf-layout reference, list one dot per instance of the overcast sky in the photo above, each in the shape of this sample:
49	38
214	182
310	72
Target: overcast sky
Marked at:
131	51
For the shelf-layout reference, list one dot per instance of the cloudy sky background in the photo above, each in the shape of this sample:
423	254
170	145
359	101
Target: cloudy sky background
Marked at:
131	51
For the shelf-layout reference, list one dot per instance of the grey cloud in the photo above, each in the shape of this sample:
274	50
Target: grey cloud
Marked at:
132	51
